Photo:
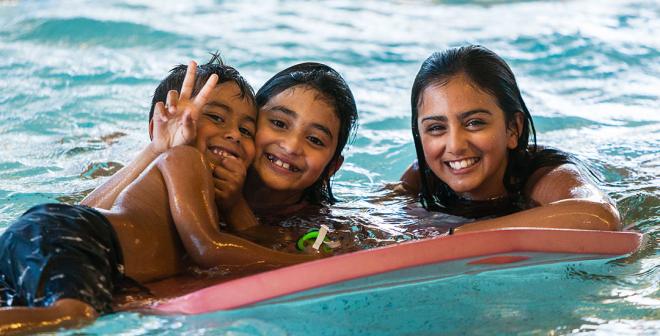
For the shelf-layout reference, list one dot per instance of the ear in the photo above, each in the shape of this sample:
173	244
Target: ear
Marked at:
514	130
151	129
335	165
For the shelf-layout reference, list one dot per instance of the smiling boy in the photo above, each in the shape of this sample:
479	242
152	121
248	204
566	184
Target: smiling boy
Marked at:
60	264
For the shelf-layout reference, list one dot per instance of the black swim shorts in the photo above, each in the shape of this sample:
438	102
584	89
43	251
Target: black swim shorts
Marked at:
58	251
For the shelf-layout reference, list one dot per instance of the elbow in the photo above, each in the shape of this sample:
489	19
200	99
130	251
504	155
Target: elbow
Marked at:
612	216
214	252
604	216
203	257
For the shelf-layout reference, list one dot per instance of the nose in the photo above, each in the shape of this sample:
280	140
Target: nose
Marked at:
233	135
291	144
456	141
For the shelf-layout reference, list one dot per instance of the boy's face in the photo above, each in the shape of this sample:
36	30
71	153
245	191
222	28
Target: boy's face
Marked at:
298	134
226	126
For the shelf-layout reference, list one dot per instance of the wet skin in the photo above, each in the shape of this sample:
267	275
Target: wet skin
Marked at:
465	138
141	214
297	137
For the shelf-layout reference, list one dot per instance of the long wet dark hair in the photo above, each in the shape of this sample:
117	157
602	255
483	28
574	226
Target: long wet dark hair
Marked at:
490	73
335	91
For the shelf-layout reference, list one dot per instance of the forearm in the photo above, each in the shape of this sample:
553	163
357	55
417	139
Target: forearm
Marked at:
565	214
240	217
64	313
228	249
104	196
193	209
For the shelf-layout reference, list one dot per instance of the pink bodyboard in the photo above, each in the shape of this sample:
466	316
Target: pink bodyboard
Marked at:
412	261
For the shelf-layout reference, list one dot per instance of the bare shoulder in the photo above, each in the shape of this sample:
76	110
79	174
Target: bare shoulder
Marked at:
146	192
411	181
566	181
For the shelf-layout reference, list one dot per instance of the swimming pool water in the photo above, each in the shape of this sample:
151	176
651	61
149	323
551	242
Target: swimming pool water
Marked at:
76	83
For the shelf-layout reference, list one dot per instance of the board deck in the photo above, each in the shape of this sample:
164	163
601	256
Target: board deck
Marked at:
408	262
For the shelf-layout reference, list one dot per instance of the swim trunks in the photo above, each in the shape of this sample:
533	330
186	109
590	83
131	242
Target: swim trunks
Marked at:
57	251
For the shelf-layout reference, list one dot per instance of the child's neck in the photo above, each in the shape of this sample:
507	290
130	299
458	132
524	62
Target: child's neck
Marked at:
264	200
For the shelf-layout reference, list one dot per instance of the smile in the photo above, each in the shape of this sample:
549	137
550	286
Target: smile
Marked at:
222	152
278	162
462	164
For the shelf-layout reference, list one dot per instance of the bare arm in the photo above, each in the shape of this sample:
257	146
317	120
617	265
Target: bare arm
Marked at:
240	217
104	196
411	181
229	179
64	313
192	204
566	199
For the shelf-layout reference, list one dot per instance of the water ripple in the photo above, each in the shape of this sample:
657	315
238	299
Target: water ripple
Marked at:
86	32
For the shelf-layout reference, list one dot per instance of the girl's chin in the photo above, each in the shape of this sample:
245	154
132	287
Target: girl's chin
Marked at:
276	182
466	189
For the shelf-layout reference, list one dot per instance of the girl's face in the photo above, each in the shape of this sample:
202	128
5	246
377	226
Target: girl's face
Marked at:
465	138
296	139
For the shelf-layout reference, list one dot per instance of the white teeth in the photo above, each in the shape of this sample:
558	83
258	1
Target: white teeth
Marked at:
220	152
462	163
281	163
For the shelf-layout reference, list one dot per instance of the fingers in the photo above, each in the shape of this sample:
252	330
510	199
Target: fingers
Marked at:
227	180
189	80
172	101
233	164
203	95
189	128
234	171
224	192
159	112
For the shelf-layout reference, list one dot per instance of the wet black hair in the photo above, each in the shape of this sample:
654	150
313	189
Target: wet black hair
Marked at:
215	65
490	73
335	91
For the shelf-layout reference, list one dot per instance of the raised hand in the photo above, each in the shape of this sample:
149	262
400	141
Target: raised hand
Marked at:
175	123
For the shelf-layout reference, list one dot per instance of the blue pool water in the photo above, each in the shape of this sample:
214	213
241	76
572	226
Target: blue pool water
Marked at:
76	79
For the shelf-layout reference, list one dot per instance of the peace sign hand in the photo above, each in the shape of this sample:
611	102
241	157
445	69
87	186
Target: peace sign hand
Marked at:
176	123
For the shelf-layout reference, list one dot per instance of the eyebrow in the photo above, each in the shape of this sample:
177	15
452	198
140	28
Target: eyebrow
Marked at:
285	110
293	114
230	110
220	105
462	115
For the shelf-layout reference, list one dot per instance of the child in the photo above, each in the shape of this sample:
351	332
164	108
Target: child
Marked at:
306	115
63	262
471	128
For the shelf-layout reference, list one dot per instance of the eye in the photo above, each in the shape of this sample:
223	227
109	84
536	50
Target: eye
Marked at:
215	118
246	132
278	123
435	128
316	141
475	123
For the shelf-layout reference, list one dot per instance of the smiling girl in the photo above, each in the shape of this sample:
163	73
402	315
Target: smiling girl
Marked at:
306	115
471	130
